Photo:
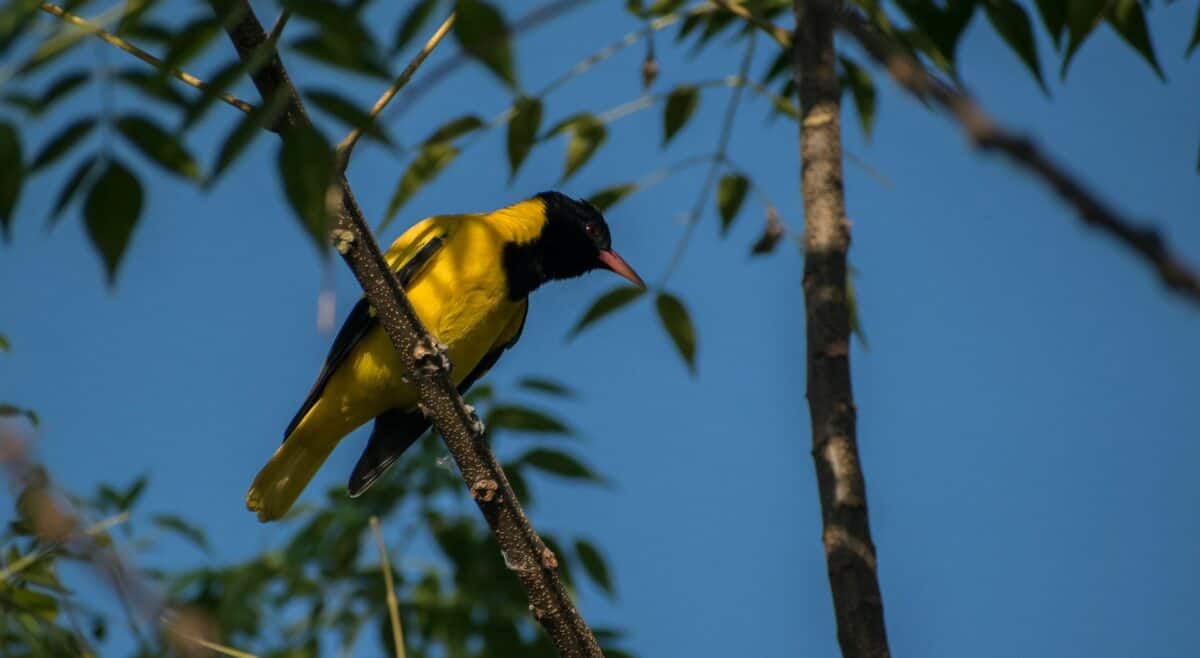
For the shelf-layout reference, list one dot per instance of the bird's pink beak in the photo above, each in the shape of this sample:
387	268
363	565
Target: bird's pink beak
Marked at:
614	263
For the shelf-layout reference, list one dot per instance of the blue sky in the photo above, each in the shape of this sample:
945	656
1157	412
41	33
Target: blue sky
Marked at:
1027	406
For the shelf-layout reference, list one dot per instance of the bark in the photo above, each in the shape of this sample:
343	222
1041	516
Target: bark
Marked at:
533	563
849	552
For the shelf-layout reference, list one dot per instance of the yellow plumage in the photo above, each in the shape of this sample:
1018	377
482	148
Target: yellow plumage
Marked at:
462	298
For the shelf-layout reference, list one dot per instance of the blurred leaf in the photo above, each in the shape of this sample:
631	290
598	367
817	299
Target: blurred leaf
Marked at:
306	167
414	20
1128	19
1082	17
483	34
71	187
558	463
12	175
111	211
5	345
1054	17
594	565
523	419
675	320
341	39
941	25
606	304
62	142
773	232
188	41
11	410
731	192
1195	40
158	145
249	126
34	603
587	134
152	86
1014	26
430	162
663	7
455	128
348	113
58	43
681	105
522	131
541	385
185	530
862	90
780	65
610	196
57	90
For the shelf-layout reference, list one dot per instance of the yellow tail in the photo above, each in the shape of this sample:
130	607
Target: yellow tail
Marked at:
280	482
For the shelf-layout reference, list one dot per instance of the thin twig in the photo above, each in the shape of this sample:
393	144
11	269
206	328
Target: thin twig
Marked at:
536	566
385	565
987	135
717	163
344	149
114	40
780	35
29	559
841	486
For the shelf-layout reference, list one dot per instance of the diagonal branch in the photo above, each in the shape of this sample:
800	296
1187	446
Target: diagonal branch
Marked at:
534	564
114	40
846	534
987	135
347	146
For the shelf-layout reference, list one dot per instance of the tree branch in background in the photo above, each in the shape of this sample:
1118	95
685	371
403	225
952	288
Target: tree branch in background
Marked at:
114	40
385	565
987	135
347	145
849	552
56	522
534	564
780	35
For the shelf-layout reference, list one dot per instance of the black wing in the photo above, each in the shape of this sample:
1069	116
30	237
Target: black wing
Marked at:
397	429
360	321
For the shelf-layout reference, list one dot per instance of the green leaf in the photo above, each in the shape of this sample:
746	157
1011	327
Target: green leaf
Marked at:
158	145
53	48
38	604
249	126
413	21
306	167
663	7
587	134
1014	26
455	128
57	90
12	175
430	162
674	317
11	410
1054	17
558	463
110	212
862	90
185	530
483	34
189	41
522	131
62	142
152	86
523	419
5	345
1195	41
681	105
1082	17
610	196
1129	20
605	304
941	24
348	113
594	565
540	385
71	187
731	192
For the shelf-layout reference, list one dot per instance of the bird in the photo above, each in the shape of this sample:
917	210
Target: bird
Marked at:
468	277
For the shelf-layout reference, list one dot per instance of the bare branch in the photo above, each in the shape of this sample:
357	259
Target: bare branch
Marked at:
987	135
849	551
439	399
110	38
347	145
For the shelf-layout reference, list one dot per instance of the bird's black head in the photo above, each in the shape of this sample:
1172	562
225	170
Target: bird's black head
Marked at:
575	240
